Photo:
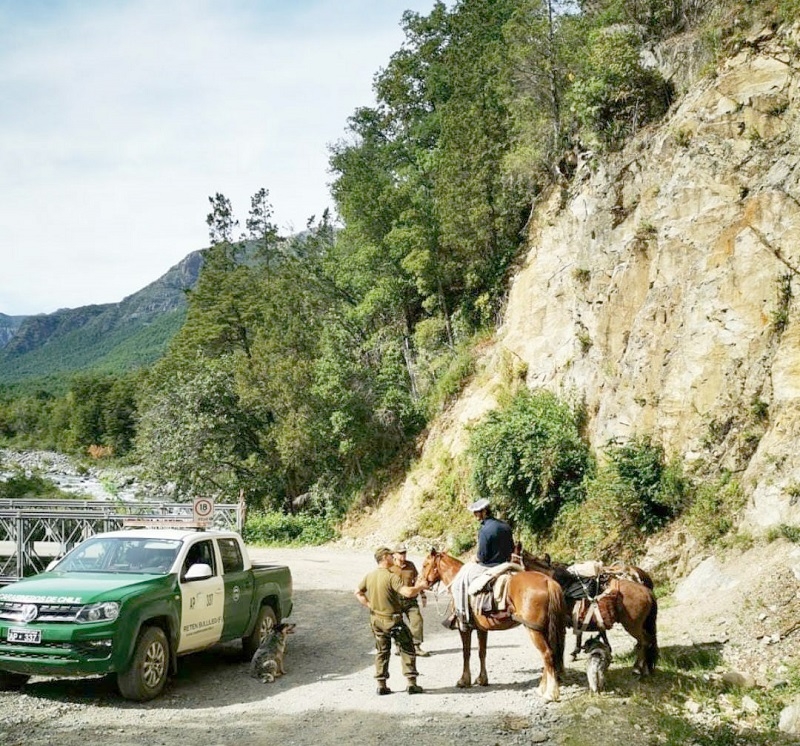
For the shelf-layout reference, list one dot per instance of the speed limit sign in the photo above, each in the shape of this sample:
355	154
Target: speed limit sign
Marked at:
202	507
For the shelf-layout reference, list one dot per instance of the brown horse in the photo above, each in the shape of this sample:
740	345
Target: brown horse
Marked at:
635	606
535	601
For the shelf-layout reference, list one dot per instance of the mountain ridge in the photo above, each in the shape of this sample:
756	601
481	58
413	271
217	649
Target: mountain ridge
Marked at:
107	337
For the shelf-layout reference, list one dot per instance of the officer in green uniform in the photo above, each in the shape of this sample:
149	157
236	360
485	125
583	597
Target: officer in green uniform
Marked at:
407	571
383	592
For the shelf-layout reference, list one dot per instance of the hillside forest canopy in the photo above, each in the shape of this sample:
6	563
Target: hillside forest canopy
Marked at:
309	365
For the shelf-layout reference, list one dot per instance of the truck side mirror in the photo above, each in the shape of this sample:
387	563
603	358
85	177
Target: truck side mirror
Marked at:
199	571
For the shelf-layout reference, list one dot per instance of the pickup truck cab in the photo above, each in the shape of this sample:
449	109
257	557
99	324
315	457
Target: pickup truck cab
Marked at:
131	602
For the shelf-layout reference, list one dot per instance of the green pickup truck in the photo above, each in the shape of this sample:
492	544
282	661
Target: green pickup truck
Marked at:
131	602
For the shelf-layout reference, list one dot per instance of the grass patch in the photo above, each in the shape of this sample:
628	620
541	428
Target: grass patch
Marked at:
712	514
784	531
444	517
684	702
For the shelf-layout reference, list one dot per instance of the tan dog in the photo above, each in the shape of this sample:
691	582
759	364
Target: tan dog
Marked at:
267	662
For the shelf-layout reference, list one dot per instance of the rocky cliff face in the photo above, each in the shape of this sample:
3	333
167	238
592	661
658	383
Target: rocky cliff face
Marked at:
8	327
659	287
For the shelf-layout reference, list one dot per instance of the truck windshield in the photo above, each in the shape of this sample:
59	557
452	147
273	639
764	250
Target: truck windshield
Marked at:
121	555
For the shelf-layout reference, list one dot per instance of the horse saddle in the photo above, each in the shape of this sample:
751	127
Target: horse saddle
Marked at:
490	589
595	614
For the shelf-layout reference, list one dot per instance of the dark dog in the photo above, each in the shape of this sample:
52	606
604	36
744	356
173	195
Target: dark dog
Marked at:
599	661
267	662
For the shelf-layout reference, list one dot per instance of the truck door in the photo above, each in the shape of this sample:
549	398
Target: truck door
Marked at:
239	588
202	601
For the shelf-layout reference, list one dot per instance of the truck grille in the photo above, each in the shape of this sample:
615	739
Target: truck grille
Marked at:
12	612
55	651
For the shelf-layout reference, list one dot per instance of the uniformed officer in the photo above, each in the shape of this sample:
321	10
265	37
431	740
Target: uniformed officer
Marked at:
495	538
407	571
382	592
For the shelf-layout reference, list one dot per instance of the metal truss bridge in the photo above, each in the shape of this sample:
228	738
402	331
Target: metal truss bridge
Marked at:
35	532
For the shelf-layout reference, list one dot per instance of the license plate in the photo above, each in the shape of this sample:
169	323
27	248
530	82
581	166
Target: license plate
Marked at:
29	636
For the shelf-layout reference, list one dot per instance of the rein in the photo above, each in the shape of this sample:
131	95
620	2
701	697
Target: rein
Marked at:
435	587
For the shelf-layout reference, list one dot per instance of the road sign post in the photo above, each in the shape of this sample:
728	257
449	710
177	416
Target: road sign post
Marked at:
203	510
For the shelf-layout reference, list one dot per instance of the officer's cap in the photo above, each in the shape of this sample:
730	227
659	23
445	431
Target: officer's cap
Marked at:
479	505
400	549
381	552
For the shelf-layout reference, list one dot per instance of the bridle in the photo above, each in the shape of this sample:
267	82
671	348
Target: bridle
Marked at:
435	585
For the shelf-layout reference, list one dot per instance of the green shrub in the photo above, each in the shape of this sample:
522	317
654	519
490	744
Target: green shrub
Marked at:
20	486
659	487
282	529
615	95
714	508
443	516
454	375
530	457
605	526
784	531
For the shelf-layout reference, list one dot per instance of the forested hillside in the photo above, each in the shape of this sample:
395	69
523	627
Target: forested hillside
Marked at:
306	372
46	349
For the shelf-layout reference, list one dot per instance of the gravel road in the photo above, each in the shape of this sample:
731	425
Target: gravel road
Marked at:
326	697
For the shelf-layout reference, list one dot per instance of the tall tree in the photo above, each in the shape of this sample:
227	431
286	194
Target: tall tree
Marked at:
261	230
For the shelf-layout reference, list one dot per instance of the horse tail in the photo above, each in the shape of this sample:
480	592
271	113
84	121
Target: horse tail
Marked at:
556	624
651	654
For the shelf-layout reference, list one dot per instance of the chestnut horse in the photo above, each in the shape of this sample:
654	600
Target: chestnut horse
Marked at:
534	600
635	606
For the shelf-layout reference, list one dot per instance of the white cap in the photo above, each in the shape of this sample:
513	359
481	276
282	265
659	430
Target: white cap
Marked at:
479	505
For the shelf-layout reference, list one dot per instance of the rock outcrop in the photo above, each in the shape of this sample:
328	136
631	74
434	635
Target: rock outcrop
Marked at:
659	289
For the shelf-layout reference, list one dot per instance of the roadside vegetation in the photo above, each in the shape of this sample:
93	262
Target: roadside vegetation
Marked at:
686	701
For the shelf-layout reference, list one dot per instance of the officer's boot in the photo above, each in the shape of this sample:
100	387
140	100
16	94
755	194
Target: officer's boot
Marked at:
382	688
413	687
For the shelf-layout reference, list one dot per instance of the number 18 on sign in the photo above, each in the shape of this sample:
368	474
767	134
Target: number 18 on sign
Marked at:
203	509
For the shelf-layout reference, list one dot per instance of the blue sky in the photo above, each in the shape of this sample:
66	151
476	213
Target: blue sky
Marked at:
121	117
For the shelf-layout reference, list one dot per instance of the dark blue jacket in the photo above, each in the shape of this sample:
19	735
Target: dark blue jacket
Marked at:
495	542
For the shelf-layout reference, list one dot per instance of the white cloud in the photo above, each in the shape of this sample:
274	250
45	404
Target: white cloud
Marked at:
121	118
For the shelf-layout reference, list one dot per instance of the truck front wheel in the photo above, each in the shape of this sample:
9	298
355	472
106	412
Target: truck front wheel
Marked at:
265	623
147	674
10	680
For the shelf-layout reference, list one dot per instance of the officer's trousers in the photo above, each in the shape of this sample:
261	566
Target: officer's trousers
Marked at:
382	629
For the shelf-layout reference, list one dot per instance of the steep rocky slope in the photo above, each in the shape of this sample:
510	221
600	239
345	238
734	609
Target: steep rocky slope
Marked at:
659	288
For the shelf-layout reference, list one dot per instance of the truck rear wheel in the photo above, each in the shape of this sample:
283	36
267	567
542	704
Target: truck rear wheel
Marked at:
10	680
265	623
147	674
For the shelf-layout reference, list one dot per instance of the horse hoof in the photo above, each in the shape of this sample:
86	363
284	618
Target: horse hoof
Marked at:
463	684
482	682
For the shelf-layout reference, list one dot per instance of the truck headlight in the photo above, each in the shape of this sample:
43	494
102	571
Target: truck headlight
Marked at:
107	611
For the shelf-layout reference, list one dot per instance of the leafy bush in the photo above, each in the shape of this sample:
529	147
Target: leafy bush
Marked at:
712	513
615	95
530	457
660	488
283	529
452	370
24	487
784	531
444	516
605	526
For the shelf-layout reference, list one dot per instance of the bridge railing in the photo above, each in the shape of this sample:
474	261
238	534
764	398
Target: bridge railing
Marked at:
34	532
